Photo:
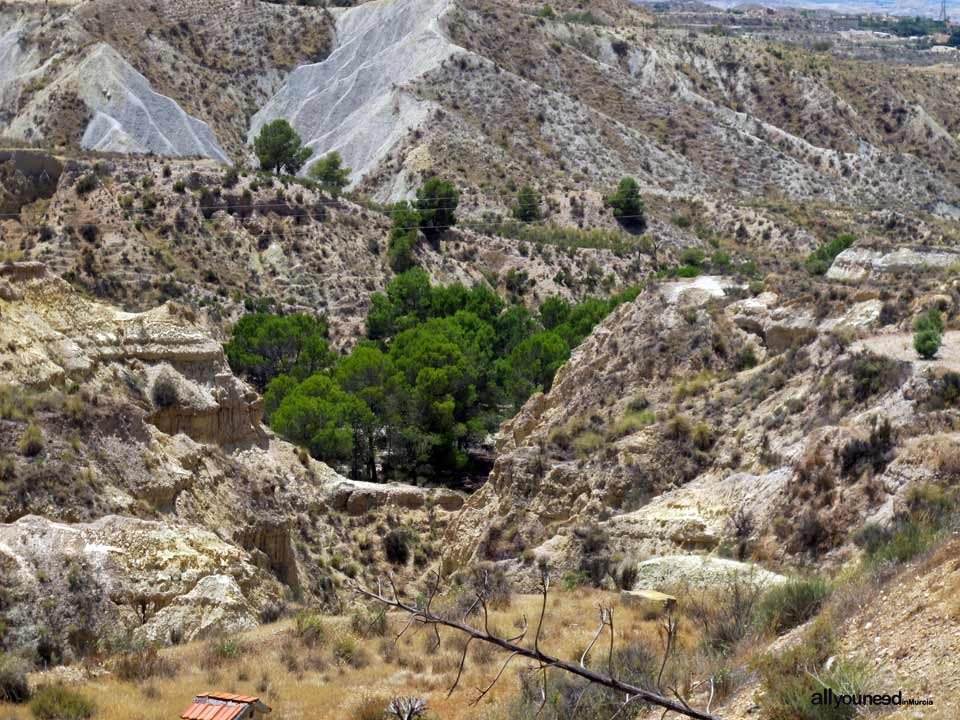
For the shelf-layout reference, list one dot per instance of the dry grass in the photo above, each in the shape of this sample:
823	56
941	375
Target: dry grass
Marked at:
306	682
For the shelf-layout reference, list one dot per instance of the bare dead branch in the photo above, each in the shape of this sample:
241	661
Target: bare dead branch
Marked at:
488	688
463	661
544	660
603	625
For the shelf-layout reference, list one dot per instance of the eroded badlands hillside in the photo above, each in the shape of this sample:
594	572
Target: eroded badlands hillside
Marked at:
750	414
141	489
703	418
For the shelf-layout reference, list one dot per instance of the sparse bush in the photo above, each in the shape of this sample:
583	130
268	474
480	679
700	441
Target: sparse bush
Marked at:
793	603
527	208
347	650
56	702
874	374
587	443
788	680
746	358
32	441
819	261
371	708
396	546
164	392
677	428
13	679
485	578
368	624
231	176
141	665
218	651
929	503
702	436
311	629
89	232
86	184
899	544
725	615
329	172
631	422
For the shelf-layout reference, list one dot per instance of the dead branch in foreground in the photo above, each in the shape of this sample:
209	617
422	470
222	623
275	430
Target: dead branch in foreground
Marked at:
545	662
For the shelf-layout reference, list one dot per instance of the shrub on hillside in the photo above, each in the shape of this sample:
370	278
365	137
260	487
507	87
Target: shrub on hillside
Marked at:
437	202
348	650
725	615
396	546
329	172
32	441
627	206
56	702
789	680
793	603
527	208
13	679
164	392
311	629
874	374
86	183
819	261
144	664
928	334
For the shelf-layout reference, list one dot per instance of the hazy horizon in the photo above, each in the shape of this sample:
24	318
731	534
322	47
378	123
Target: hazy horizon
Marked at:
923	8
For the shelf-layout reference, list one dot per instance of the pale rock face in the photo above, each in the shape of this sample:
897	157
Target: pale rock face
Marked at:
672	571
128	116
110	575
858	263
50	334
357	497
215	607
699	513
780	327
354	101
703	286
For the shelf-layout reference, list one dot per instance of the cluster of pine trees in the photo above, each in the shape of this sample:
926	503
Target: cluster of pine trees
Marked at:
440	368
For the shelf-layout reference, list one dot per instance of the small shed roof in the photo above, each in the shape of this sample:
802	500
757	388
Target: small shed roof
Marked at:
222	706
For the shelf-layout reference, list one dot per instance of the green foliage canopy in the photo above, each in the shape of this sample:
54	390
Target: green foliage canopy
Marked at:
329	172
440	368
437	202
279	148
627	206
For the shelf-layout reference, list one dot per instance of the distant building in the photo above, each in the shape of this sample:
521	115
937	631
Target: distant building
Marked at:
224	706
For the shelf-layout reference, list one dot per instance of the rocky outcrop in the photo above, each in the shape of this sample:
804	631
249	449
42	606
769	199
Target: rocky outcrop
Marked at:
52	335
111	579
700	515
858	263
357	497
25	177
689	571
215	607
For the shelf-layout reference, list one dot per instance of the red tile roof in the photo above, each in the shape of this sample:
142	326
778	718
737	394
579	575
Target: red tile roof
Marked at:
209	711
221	706
229	696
